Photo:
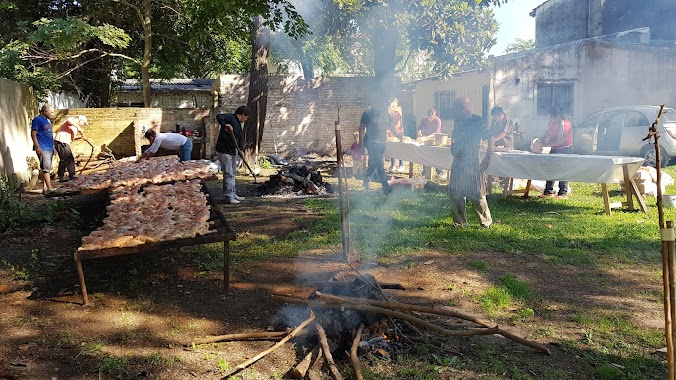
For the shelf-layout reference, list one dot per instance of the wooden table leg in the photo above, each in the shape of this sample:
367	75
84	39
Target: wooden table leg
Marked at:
639	196
627	187
226	264
507	190
606	198
83	286
410	170
527	190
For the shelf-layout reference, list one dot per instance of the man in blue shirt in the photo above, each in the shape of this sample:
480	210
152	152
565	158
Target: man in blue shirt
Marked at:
43	143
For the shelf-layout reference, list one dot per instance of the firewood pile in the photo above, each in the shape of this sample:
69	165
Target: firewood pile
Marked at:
353	320
295	181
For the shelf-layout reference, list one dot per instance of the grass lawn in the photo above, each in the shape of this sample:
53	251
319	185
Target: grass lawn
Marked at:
573	233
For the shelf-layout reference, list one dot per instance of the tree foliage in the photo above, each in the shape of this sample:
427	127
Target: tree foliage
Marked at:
77	45
520	45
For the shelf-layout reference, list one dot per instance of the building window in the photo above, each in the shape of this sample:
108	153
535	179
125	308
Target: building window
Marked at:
443	103
549	95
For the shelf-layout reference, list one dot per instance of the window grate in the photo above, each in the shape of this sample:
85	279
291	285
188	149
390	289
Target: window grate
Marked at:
549	95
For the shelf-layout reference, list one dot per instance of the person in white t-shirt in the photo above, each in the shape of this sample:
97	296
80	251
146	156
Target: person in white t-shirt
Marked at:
68	132
170	141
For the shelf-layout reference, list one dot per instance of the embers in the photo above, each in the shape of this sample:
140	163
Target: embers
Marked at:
295	181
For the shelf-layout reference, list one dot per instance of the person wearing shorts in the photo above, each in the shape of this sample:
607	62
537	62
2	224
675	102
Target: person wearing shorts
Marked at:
43	143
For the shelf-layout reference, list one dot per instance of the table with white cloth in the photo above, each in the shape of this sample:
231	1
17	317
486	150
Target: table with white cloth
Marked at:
571	167
427	155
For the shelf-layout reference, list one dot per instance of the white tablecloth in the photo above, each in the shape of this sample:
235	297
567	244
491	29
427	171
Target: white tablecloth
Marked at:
562	167
435	156
525	165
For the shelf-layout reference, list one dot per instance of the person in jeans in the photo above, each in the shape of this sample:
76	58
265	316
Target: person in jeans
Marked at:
43	143
170	141
559	137
373	135
230	138
68	132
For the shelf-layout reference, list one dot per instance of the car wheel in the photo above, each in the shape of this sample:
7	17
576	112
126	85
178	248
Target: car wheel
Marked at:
648	153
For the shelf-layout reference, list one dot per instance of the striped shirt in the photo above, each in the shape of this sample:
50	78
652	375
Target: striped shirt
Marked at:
466	178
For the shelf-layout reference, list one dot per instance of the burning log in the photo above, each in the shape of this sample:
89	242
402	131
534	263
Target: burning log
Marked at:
388	312
295	180
300	369
354	359
323	341
438	311
256	358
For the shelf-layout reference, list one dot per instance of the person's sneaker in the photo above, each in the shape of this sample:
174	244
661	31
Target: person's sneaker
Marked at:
62	179
237	197
547	195
402	169
562	196
391	168
232	201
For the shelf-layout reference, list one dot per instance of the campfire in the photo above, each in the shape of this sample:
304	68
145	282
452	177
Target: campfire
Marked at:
344	320
295	181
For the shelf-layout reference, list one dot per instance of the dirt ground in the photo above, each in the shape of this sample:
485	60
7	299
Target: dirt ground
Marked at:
146	307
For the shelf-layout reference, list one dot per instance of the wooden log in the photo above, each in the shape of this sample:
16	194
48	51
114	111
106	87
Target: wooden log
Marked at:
438	311
388	312
333	370
291	335
300	370
354	358
272	335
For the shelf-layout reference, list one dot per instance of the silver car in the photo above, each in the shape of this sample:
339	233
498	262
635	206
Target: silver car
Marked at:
620	132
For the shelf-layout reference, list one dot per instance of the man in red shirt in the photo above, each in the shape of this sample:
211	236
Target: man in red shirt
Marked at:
430	124
560	138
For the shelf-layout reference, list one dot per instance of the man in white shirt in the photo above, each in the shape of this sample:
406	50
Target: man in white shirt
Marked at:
170	141
68	132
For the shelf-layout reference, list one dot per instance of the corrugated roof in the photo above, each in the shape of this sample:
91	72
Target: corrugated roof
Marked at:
199	84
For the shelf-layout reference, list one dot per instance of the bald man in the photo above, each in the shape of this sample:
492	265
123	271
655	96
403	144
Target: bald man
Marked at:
467	170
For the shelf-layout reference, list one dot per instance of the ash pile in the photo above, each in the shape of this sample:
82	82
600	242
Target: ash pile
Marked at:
295	181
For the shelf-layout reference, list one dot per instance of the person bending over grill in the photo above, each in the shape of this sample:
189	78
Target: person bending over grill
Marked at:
65	135
170	141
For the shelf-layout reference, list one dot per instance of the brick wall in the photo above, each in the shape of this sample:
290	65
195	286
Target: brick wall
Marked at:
301	114
120	129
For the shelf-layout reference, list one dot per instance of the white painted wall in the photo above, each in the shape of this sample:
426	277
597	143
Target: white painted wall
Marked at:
18	106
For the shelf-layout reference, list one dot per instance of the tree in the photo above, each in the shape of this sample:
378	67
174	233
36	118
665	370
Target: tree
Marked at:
159	29
520	45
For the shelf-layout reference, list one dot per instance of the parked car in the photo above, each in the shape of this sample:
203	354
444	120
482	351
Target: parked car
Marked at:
620	131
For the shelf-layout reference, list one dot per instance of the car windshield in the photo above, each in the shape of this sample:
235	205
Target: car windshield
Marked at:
669	116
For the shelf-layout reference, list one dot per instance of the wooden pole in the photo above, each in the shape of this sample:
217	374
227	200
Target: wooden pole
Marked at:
341	200
273	335
667	268
668	242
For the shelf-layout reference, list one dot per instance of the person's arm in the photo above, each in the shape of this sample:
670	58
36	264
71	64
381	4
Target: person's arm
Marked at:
34	137
489	152
502	134
151	150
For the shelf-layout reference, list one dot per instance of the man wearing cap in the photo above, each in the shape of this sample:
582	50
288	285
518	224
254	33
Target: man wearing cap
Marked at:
170	141
65	135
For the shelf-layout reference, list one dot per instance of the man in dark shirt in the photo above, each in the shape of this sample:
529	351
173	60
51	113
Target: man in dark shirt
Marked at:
226	149
373	133
502	129
467	170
